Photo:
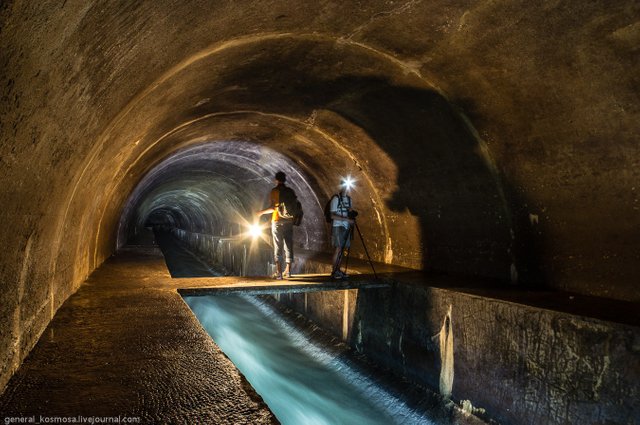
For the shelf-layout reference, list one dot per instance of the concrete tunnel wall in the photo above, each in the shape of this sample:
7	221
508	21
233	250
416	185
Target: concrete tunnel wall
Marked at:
213	189
495	139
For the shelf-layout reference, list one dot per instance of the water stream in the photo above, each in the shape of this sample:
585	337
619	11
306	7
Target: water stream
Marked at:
300	382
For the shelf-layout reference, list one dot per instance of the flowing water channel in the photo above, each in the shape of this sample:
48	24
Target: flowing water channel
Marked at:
300	382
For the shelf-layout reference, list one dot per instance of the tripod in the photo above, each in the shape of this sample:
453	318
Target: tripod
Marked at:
336	266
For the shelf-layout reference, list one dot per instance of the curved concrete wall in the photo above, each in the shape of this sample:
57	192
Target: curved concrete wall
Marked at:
495	139
214	188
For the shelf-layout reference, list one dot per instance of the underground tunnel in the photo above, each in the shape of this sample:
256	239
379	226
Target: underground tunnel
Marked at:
494	151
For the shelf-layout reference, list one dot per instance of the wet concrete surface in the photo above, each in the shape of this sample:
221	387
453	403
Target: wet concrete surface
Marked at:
606	309
183	263
126	344
180	260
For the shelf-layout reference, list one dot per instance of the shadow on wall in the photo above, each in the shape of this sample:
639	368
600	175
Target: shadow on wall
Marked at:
470	219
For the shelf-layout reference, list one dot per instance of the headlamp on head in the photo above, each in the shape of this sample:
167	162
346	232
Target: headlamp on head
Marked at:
347	183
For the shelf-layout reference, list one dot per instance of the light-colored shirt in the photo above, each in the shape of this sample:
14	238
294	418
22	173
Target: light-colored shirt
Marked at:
341	209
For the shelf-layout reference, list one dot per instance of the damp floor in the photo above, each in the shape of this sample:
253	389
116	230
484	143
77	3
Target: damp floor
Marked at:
126	344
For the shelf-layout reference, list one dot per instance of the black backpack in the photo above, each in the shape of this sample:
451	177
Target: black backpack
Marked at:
327	210
288	205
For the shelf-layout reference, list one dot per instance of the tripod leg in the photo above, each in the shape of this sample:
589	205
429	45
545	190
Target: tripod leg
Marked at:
366	251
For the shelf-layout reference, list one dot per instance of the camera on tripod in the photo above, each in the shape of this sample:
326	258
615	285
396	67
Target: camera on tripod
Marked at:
352	214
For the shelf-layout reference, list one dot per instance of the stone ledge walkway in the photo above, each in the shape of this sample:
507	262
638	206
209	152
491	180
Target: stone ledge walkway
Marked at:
126	344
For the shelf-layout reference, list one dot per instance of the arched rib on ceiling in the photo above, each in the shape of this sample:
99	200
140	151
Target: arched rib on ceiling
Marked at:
333	108
216	186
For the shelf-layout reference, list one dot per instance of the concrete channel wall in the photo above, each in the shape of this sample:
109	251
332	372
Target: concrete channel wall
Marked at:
229	253
240	256
500	360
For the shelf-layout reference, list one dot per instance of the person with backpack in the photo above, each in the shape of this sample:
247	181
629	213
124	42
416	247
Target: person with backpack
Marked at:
285	211
340	213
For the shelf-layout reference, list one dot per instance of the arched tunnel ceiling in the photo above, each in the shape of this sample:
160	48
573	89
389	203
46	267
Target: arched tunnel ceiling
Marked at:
527	169
360	113
216	187
488	138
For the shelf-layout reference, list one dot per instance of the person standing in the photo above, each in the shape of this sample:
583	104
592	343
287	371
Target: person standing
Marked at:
341	229
281	225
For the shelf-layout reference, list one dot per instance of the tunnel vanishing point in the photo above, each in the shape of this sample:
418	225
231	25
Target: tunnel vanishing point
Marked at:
494	142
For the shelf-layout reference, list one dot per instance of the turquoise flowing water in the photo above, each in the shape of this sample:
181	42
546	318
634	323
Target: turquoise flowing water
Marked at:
300	382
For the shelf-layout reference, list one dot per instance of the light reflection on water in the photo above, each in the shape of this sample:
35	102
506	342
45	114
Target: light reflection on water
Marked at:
300	383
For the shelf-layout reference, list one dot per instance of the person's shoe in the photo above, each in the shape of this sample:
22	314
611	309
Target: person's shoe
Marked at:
287	275
338	275
276	276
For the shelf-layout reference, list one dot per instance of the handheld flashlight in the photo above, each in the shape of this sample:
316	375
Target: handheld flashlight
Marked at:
255	230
